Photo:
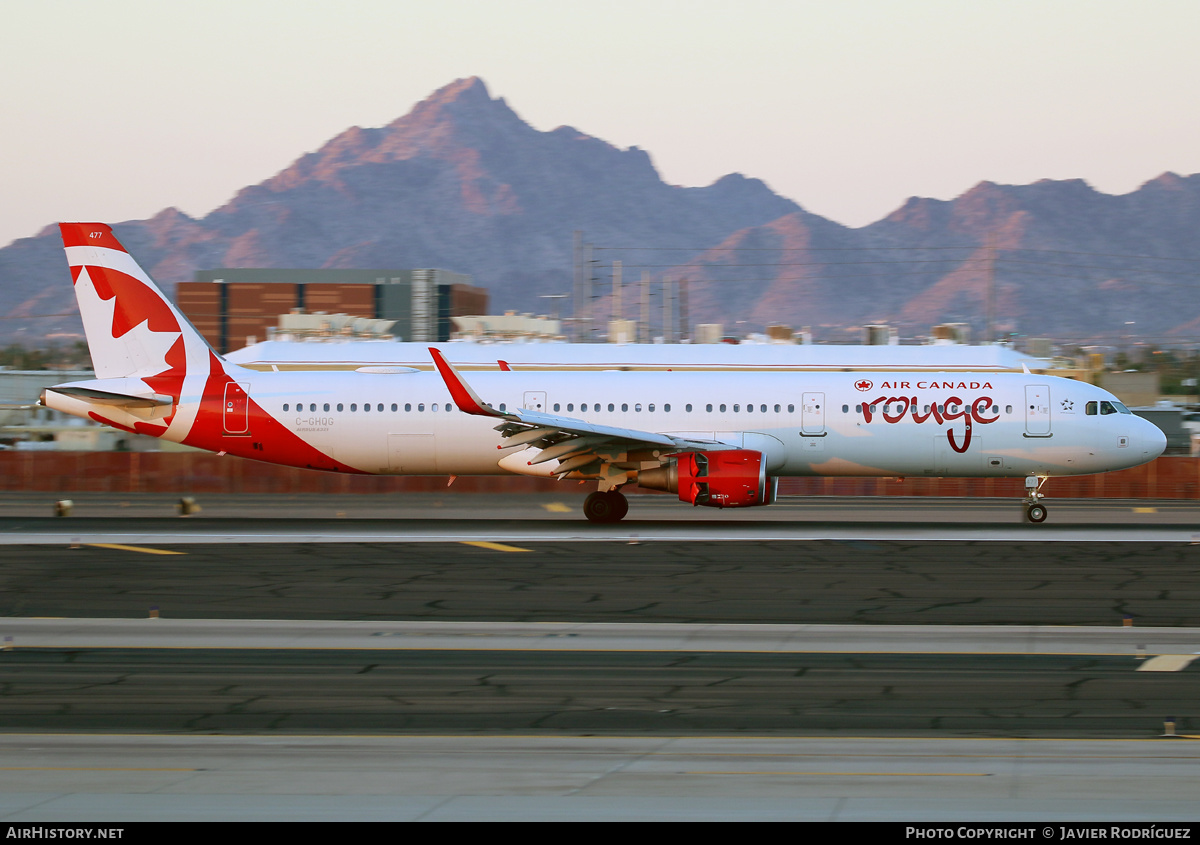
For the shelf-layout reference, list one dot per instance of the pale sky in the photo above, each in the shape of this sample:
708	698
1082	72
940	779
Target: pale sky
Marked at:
115	110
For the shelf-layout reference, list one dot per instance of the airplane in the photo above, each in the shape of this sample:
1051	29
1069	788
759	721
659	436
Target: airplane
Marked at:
714	439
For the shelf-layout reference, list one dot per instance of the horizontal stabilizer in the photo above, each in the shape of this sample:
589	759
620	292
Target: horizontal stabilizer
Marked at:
119	400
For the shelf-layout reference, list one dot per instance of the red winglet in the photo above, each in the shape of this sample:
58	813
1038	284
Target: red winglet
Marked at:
464	397
504	366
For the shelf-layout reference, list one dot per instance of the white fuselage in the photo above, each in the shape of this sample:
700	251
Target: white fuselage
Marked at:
805	424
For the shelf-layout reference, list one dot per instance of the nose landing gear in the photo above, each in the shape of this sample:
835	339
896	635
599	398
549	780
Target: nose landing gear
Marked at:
1035	511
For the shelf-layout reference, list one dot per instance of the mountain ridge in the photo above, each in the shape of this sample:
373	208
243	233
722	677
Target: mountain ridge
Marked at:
462	182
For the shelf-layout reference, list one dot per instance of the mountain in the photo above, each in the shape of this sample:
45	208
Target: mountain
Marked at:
462	183
1068	262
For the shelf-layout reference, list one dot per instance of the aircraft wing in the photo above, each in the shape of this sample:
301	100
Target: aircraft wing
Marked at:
574	442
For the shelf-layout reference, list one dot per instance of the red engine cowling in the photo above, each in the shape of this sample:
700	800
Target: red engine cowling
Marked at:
734	479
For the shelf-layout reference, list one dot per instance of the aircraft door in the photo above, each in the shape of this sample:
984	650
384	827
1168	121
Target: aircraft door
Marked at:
1037	410
236	413
535	400
812	415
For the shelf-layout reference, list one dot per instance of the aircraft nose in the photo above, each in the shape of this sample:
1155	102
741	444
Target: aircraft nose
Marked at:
1153	440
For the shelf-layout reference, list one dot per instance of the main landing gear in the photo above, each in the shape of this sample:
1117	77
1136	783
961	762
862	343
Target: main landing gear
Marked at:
1035	511
610	506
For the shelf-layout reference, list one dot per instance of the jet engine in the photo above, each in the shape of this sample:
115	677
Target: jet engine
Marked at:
730	479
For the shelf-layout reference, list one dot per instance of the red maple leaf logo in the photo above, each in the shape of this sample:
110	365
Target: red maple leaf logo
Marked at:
864	385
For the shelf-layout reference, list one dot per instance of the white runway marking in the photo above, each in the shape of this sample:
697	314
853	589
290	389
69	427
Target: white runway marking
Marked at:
498	531
565	636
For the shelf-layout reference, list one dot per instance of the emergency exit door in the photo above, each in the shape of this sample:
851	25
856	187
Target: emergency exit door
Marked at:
812	414
237	408
1037	410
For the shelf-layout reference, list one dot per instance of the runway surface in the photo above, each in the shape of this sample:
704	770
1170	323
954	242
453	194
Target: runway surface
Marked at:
119	777
431	518
826	582
480	653
159	675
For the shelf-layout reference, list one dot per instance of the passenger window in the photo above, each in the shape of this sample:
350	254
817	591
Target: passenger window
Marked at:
353	406
708	408
845	409
378	407
736	408
638	407
687	407
611	406
762	409
326	406
407	406
433	407
394	407
1007	409
570	406
624	407
650	408
313	406
791	409
341	406
420	406
555	406
285	406
503	407
722	409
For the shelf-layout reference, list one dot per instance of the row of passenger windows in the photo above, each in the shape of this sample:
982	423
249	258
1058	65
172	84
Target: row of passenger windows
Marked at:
367	407
637	408
1103	407
887	409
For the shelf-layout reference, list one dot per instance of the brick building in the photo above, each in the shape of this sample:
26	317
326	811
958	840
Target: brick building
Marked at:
229	306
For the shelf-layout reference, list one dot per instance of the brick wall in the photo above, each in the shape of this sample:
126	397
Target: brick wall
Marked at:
196	472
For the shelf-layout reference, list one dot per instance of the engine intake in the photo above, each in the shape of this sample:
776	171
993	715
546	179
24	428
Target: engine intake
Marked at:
731	479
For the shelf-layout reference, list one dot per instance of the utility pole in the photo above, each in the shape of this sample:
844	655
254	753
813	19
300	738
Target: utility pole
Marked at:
589	329
666	307
576	290
685	331
616	290
644	323
990	332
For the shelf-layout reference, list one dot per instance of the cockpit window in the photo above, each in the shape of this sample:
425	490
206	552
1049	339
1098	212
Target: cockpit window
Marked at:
1122	409
1091	408
1107	408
